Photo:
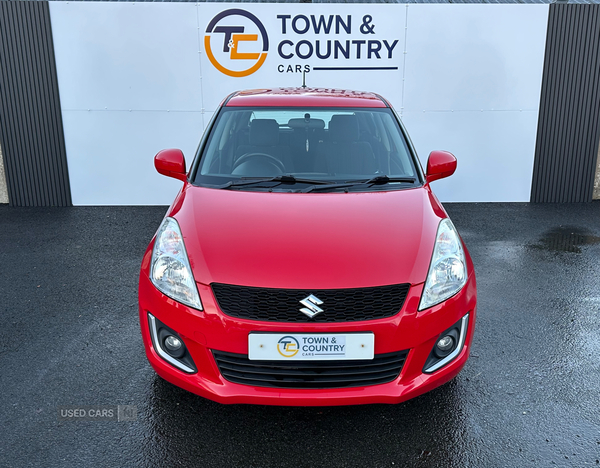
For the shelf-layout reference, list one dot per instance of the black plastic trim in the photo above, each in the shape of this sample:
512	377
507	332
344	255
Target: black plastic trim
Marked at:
283	305
237	368
455	330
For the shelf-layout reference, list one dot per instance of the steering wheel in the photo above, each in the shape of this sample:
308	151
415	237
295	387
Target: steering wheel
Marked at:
267	157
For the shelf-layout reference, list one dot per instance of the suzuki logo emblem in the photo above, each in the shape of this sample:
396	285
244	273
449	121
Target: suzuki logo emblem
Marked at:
312	304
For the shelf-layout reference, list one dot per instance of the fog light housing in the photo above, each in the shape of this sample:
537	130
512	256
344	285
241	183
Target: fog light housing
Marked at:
170	346
448	346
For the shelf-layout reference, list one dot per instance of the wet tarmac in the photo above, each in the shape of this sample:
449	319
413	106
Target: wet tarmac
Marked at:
69	335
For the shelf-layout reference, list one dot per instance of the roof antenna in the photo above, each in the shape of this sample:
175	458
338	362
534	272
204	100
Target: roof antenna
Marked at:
304	78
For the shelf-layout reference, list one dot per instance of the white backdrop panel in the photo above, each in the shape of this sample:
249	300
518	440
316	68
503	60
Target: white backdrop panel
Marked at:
115	166
121	56
494	152
150	58
473	57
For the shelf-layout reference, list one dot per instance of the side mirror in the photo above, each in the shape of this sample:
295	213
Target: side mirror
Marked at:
439	165
171	163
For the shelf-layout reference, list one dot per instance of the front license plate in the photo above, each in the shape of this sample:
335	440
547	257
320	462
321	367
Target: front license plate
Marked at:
310	346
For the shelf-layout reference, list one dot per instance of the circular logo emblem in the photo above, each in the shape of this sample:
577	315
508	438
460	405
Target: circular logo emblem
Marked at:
236	43
288	346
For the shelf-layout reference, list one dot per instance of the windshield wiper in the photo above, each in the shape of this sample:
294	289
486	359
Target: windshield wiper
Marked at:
312	188
384	179
282	179
377	180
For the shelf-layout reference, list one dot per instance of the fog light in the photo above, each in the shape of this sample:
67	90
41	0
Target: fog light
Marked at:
169	346
174	346
445	344
448	346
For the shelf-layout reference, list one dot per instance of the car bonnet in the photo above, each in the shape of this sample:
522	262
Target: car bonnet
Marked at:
303	241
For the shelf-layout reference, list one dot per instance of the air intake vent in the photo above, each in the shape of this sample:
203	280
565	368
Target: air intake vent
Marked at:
239	369
283	305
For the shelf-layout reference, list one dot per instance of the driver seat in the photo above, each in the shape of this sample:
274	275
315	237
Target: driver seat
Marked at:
264	138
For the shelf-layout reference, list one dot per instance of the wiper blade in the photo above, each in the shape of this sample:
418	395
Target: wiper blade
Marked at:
282	179
290	179
329	186
384	179
377	180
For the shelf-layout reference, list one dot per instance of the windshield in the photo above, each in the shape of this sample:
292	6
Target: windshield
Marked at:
274	148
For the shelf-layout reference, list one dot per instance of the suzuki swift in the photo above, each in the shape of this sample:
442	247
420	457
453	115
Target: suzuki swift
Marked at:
306	260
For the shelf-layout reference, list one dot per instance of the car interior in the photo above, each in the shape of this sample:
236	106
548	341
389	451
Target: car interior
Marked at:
245	143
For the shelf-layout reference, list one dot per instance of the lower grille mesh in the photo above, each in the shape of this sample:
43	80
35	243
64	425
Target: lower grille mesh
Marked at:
237	368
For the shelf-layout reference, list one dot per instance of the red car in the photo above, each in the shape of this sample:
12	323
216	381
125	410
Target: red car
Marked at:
306	260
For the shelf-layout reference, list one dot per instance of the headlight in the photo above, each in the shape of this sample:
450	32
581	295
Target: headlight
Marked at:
448	270
170	271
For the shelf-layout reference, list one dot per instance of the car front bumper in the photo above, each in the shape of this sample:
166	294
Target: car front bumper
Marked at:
210	329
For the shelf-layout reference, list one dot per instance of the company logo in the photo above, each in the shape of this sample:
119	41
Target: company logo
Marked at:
288	346
312	304
236	43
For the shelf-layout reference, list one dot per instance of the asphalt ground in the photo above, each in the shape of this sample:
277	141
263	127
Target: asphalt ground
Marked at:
69	335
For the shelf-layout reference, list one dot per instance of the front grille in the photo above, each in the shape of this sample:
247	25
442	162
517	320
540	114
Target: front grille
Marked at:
283	305
237	368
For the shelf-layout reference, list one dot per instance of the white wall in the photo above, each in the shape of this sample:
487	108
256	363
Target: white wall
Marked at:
472	87
134	78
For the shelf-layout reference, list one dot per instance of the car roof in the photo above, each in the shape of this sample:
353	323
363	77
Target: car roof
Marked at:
304	97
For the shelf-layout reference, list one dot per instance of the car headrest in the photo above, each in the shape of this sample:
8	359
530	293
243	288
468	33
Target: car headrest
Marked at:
264	132
343	127
307	123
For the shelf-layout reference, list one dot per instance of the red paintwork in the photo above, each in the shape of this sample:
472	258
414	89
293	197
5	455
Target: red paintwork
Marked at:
439	165
332	240
306	241
304	97
211	329
171	163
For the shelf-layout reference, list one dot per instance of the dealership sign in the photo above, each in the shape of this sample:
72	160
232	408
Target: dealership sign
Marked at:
152	75
237	42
